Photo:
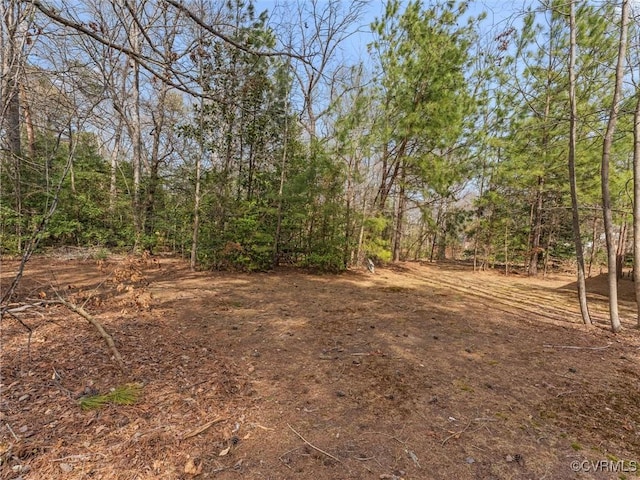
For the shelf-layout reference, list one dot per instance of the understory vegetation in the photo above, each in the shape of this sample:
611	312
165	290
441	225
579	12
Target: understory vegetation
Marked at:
244	140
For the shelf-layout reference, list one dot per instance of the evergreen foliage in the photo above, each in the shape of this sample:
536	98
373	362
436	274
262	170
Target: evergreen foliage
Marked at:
450	142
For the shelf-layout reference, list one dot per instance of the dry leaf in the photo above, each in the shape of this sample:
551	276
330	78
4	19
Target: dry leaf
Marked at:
191	468
224	452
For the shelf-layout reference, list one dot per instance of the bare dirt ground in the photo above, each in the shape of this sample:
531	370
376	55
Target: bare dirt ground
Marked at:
417	372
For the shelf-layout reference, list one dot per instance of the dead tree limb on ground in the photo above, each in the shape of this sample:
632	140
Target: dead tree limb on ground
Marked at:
21	322
103	333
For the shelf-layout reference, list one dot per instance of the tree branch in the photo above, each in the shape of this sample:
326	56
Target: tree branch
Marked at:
200	22
142	60
103	333
147	62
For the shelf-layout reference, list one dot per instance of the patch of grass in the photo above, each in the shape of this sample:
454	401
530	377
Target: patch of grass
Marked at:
548	414
576	446
396	289
123	395
463	385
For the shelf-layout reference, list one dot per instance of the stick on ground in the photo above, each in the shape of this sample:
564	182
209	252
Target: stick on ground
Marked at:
313	446
574	347
103	333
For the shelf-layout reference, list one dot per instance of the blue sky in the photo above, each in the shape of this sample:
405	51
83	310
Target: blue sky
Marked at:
499	13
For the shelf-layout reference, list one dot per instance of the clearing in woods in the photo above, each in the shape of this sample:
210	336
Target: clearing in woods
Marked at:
421	371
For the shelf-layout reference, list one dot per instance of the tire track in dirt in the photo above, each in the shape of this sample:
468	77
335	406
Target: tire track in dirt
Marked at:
598	303
515	304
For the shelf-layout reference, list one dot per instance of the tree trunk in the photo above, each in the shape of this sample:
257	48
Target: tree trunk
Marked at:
348	252
135	132
28	121
397	236
11	83
389	175
359	253
536	231
475	253
283	165
10	111
390	171
621	250
506	248
604	172
594	243
113	172
158	118
547	255
636	204
442	246
577	239
196	215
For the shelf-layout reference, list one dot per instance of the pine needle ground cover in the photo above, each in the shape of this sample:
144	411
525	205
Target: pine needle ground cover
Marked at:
420	371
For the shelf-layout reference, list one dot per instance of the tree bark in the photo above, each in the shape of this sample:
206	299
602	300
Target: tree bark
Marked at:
196	216
28	120
506	249
283	166
153	181
621	250
594	244
10	98
577	238
604	171
636	204
113	171
397	234
135	132
536	232
136	139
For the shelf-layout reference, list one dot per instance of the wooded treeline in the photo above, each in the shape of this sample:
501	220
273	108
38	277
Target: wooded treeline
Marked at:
245	139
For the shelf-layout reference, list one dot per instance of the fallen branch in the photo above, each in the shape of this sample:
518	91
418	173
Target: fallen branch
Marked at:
457	434
12	432
201	428
262	427
573	347
103	333
79	457
313	446
20	308
285	461
564	393
28	328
